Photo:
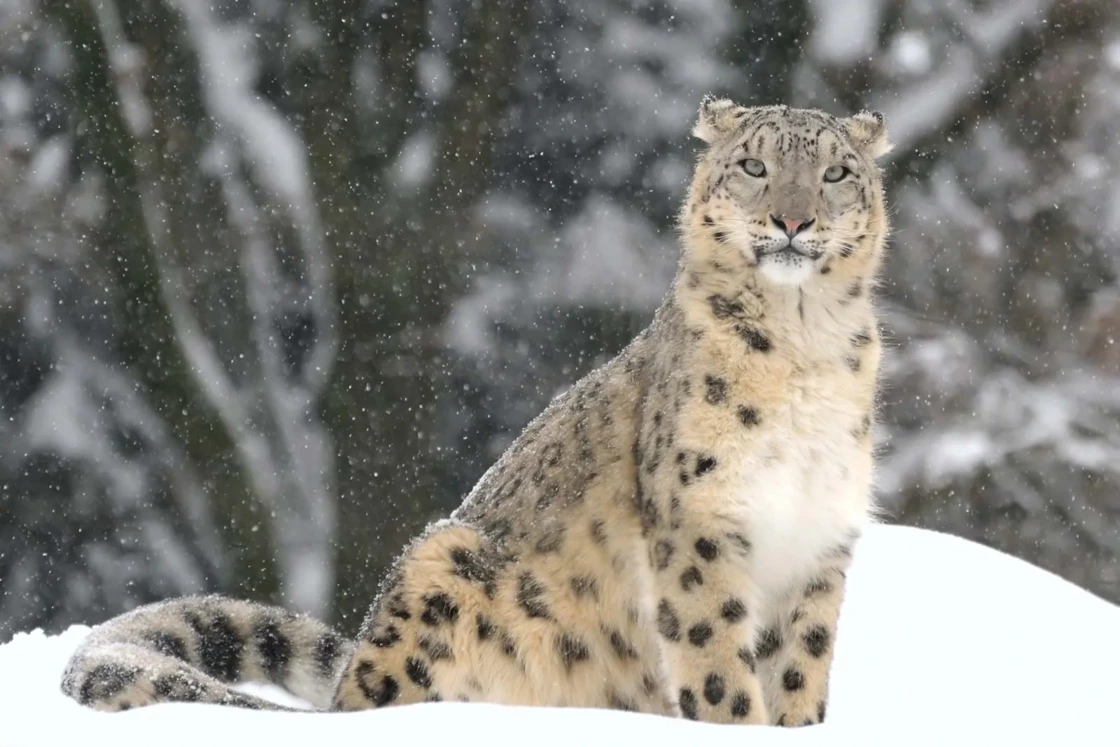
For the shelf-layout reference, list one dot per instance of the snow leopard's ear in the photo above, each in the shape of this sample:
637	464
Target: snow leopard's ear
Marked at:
868	132
718	117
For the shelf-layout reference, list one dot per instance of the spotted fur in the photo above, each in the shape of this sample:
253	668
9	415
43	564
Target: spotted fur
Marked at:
671	535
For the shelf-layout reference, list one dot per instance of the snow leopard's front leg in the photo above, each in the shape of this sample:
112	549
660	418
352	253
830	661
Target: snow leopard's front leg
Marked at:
704	616
795	650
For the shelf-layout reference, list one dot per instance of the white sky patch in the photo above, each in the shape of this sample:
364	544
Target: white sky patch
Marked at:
48	166
416	160
844	30
1112	54
909	53
15	97
434	74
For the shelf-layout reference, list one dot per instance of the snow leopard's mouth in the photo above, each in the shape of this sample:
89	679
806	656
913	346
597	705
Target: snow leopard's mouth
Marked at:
789	252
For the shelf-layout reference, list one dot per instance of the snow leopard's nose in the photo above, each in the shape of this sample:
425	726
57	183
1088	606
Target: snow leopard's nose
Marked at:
792	226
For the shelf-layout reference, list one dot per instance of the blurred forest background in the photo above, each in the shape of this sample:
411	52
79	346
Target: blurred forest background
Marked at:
279	279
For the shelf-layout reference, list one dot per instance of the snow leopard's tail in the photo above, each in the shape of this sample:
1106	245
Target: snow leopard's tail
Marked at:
189	649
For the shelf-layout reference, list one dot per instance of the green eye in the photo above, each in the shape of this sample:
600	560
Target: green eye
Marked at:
836	173
754	167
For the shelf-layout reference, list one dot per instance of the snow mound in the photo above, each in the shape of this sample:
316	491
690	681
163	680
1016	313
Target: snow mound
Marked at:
940	639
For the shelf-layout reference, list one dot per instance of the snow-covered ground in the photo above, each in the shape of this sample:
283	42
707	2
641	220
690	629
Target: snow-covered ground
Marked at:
941	639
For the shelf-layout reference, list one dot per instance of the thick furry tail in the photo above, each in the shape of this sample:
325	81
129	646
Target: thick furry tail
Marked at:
189	649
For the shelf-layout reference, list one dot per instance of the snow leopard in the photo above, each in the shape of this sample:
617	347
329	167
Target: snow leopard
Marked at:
671	535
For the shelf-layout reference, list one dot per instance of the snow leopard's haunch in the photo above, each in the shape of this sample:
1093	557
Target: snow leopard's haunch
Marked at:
671	535
189	649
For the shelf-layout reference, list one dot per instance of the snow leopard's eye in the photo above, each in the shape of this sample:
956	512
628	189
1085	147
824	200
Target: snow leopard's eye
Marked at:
836	173
754	167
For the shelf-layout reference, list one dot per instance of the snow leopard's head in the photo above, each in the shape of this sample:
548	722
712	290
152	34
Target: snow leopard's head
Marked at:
794	193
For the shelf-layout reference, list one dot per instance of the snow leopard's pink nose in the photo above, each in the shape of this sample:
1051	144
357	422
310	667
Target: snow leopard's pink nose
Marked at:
792	226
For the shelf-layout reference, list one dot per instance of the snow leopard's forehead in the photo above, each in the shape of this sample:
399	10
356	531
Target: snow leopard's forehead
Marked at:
787	134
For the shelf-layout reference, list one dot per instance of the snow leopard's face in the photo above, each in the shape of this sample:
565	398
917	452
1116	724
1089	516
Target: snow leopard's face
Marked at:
795	192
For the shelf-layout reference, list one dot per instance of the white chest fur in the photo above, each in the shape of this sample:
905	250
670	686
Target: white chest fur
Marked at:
803	487
799	482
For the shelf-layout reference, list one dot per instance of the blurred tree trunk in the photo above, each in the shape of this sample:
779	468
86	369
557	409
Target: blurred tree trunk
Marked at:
198	212
122	245
400	264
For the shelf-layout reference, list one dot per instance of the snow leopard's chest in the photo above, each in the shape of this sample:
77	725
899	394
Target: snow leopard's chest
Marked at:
803	486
